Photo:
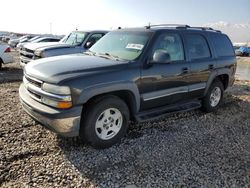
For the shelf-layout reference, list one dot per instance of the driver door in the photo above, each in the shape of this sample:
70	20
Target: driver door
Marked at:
165	83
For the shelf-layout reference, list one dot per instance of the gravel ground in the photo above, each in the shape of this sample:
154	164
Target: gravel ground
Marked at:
190	149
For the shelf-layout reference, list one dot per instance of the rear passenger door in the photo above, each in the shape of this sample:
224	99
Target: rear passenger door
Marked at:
201	61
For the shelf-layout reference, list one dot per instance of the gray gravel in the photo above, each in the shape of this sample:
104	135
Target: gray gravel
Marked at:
191	149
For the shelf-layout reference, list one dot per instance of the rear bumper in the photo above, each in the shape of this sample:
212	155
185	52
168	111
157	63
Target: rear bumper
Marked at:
63	122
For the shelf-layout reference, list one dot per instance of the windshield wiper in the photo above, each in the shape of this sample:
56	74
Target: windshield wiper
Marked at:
110	56
89	53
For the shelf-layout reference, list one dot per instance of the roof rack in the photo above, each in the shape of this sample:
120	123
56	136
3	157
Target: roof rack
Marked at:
205	29
182	26
167	25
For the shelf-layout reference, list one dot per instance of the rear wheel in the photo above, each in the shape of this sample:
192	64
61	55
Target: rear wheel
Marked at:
105	122
214	96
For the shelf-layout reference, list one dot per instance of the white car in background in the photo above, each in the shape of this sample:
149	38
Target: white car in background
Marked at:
39	39
5	55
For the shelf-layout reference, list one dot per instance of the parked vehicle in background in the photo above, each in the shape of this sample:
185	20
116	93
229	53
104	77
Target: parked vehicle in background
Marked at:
236	47
14	42
9	37
47	39
129	74
22	42
243	51
3	34
75	42
5	56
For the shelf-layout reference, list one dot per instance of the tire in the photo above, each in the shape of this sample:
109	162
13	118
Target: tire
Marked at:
214	97
105	122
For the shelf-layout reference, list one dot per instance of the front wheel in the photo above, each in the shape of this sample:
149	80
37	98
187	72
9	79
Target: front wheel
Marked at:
105	122
213	98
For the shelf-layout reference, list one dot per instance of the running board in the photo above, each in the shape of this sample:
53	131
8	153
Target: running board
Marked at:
167	110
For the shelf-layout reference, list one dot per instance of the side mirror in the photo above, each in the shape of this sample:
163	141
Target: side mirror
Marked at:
88	45
161	56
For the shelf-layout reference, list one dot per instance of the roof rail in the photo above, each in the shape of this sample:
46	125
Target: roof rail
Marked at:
203	29
168	25
182	26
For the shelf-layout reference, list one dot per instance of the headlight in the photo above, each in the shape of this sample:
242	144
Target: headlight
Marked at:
60	96
39	53
61	90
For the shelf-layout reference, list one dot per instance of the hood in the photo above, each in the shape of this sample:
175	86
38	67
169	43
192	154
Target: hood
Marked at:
59	68
35	46
56	45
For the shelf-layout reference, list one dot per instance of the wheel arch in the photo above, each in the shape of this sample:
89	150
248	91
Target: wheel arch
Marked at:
221	75
128	92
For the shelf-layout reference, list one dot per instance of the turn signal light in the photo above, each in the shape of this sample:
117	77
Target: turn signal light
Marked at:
64	104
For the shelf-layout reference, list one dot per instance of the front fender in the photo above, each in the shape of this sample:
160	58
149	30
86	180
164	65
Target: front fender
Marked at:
103	88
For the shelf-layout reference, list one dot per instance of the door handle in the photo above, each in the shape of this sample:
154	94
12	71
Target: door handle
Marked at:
211	66
185	70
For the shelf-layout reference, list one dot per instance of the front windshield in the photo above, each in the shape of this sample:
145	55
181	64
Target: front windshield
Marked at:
123	45
74	38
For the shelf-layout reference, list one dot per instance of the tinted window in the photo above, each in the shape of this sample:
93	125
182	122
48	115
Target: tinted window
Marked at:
197	47
49	40
54	40
222	45
171	44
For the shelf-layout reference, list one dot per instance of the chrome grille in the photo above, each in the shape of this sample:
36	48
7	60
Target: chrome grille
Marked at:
27	54
33	81
32	84
28	50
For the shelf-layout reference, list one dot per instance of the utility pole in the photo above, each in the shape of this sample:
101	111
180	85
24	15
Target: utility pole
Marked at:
50	27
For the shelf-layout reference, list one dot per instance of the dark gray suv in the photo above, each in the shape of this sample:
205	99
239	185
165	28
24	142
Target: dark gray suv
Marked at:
129	74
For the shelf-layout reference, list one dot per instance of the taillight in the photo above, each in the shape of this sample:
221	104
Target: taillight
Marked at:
7	50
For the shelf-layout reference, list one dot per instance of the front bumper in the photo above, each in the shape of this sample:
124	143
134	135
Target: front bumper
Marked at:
63	122
24	61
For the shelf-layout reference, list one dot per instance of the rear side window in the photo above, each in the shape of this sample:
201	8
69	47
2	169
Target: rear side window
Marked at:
197	47
222	45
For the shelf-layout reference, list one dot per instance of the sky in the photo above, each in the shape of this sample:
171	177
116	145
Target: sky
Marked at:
63	16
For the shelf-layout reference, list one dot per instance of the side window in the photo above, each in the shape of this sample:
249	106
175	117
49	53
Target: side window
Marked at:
95	37
53	40
45	40
222	45
197	47
171	44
